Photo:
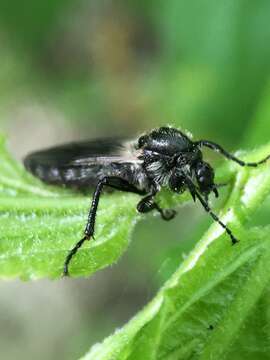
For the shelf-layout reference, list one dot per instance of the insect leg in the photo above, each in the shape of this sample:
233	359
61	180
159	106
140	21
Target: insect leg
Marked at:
166	214
196	194
219	149
148	204
113	182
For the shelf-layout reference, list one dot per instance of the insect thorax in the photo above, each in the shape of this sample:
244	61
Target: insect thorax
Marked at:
159	172
161	150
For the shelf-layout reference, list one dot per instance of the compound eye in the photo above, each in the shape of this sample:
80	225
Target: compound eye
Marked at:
204	169
205	172
205	177
201	179
177	183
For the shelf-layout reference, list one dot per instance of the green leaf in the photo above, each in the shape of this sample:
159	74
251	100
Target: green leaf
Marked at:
205	309
207	291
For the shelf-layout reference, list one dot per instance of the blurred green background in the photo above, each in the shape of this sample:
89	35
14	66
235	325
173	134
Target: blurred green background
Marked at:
73	70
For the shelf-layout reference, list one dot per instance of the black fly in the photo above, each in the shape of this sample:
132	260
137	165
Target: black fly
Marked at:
164	157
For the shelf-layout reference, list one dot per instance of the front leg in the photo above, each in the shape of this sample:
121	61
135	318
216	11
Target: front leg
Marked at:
148	204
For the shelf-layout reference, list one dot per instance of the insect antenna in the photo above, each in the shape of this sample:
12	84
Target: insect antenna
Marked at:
213	146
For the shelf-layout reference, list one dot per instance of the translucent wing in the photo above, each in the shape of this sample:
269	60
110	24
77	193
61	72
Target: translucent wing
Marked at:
83	163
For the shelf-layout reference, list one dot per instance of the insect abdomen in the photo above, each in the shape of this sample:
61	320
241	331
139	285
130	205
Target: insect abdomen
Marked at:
83	177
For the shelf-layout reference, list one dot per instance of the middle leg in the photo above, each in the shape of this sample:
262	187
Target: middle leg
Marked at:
148	204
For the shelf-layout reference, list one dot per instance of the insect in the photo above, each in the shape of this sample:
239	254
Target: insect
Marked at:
163	157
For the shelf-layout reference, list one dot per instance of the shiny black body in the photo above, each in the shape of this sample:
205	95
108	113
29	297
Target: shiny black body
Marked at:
166	157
